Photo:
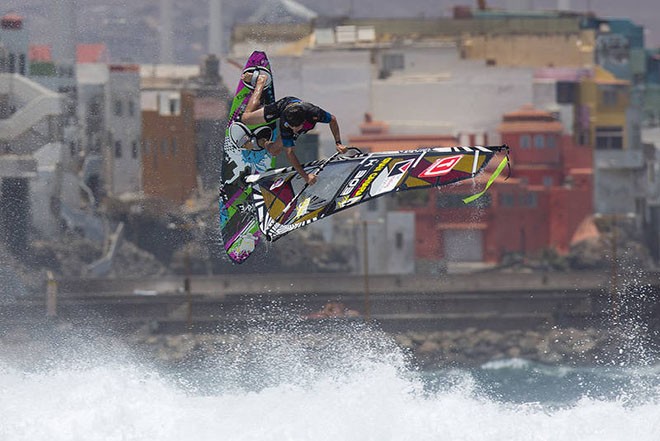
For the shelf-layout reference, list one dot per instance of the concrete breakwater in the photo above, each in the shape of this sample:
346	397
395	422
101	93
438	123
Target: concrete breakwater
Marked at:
496	301
462	319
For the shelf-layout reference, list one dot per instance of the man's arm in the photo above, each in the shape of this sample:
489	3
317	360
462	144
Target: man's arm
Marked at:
334	128
309	178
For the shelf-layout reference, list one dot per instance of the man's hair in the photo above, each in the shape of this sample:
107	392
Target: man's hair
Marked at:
293	114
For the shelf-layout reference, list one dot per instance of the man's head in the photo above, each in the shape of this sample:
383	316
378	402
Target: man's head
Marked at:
293	115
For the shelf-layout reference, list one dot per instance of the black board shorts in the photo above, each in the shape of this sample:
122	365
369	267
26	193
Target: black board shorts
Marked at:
274	110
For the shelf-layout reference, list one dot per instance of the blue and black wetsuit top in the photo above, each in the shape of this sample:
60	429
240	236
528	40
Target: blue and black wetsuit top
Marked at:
313	114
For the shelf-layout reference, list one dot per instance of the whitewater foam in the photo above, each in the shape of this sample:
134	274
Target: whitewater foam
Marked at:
372	403
272	385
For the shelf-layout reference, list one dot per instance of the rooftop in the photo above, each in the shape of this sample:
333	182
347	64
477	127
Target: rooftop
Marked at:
92	53
11	21
85	53
528	119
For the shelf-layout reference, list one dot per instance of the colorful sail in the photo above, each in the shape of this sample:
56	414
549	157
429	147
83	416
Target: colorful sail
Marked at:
283	202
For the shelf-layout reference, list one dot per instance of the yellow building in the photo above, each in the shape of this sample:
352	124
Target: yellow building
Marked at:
601	113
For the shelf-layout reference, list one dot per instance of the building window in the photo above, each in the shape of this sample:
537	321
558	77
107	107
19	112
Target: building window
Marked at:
398	239
118	149
507	200
551	141
528	200
393	62
21	64
548	181
651	173
525	141
414	198
456	201
134	149
72	148
174	106
163	146
118	108
12	63
173	147
539	141
450	201
583	137
566	92
146	146
609	138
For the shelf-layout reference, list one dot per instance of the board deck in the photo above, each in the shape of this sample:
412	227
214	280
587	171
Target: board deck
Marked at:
239	226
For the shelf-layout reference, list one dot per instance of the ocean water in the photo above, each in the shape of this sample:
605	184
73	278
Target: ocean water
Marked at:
352	384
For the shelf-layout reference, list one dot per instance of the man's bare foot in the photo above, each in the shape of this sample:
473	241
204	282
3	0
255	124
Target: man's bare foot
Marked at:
248	78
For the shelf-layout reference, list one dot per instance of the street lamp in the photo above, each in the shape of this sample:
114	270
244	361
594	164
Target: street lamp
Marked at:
365	257
186	263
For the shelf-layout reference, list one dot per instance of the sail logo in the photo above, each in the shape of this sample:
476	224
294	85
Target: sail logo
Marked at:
353	183
440	167
301	209
347	201
387	181
371	177
278	183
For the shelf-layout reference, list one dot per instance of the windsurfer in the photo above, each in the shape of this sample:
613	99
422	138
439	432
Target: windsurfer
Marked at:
295	118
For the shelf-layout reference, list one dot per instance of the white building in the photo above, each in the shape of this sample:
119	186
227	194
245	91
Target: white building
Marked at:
124	125
429	89
110	125
35	137
14	41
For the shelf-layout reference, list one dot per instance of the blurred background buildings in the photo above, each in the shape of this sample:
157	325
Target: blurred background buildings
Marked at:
95	133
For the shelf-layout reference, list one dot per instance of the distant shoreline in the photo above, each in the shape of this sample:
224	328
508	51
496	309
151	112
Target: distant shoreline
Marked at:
458	349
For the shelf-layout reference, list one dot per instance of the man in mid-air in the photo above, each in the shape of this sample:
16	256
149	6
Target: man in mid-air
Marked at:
295	118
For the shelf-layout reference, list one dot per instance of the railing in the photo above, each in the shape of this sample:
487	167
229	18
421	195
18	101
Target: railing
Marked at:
35	101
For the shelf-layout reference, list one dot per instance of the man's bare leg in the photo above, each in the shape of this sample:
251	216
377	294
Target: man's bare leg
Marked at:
252	114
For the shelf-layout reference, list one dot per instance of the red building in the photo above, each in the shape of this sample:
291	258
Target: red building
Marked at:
552	193
539	207
169	157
